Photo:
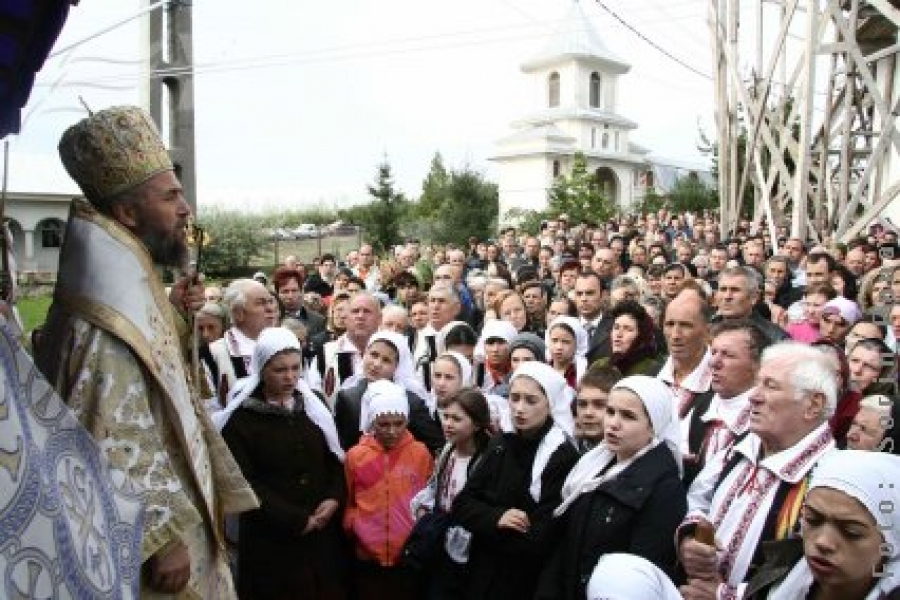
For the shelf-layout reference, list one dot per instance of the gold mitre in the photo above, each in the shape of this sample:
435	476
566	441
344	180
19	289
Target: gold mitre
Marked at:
113	151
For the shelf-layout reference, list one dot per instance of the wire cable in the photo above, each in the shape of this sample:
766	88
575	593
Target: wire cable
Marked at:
107	29
659	48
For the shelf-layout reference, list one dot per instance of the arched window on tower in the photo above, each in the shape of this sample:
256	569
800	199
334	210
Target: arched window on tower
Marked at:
595	90
553	89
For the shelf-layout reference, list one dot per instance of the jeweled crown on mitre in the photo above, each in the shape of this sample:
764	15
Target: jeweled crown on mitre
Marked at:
113	151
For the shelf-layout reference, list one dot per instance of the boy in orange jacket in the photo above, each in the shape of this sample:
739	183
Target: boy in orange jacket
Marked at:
384	471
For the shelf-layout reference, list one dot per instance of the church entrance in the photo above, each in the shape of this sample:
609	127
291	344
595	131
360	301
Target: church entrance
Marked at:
607	183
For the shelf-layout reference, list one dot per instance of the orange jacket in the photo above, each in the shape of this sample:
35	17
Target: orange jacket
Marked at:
380	485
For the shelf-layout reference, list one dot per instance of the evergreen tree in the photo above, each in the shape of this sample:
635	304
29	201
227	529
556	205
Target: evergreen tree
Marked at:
578	195
434	188
469	209
385	211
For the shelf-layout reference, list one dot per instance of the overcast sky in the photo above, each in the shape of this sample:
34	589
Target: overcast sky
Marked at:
298	101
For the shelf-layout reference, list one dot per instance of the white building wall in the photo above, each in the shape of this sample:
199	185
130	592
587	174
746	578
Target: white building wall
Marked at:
523	183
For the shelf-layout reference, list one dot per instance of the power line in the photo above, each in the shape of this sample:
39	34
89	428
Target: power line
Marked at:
659	48
107	29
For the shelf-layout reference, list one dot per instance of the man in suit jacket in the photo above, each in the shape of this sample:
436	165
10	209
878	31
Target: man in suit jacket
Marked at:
589	295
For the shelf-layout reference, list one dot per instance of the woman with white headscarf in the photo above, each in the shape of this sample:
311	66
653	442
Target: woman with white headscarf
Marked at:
492	355
626	494
508	502
629	577
386	357
450	373
567	347
284	441
850	535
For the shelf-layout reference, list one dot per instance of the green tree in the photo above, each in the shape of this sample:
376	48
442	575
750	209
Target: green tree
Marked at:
435	188
469	208
691	194
381	217
651	202
526	219
578	195
233	240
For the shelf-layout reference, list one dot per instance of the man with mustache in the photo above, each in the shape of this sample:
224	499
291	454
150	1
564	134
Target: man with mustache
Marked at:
114	347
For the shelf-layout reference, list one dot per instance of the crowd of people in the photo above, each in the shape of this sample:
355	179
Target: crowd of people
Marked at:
634	409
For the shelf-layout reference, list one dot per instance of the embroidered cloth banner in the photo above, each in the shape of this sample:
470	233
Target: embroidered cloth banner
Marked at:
69	527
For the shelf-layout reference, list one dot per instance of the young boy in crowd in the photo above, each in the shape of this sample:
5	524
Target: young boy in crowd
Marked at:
384	471
590	405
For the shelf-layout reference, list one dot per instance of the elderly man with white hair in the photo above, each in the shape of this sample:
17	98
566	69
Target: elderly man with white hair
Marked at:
246	301
753	492
395	318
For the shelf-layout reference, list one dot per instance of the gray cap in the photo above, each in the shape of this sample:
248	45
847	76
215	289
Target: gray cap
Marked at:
531	341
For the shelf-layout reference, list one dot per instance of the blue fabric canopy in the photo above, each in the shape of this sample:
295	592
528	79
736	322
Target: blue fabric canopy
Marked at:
28	30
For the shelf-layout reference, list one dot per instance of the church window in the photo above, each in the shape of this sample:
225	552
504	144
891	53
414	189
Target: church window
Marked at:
593	137
617	141
605	140
557	168
595	90
51	233
553	89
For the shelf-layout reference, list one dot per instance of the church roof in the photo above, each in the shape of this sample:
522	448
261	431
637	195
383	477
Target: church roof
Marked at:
550	115
546	132
576	39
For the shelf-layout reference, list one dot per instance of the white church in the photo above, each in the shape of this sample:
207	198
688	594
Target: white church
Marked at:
575	81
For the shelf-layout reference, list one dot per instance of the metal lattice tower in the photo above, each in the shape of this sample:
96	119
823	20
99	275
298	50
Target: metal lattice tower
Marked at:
807	101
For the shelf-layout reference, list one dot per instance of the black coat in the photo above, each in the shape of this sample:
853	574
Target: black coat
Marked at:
635	513
598	344
347	407
504	564
284	457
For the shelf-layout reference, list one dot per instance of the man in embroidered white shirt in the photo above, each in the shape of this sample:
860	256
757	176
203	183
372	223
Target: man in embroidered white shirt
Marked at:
366	269
735	351
753	492
246	301
686	371
363	320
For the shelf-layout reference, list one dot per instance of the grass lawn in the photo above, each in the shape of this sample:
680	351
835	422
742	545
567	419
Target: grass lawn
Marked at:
33	311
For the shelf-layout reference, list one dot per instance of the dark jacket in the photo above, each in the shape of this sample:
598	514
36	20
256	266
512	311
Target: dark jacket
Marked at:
315	323
598	344
635	513
314	283
347	407
787	294
780	558
505	564
696	435
286	460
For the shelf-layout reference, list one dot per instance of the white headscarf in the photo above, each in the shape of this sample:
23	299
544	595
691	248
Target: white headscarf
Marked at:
465	367
405	374
582	342
494	329
382	397
659	404
629	577
272	341
872	478
560	397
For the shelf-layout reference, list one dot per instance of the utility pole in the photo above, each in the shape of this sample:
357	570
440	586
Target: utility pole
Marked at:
169	85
